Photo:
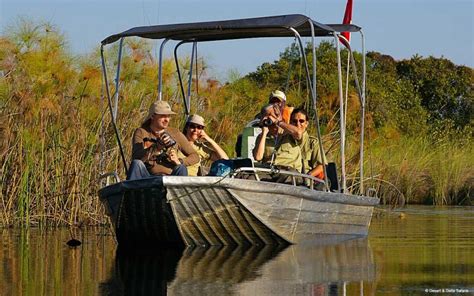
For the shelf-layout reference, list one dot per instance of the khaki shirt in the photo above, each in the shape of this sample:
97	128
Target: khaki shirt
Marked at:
204	152
287	151
155	161
310	152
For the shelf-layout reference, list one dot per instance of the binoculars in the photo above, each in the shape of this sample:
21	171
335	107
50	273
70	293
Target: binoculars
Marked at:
267	122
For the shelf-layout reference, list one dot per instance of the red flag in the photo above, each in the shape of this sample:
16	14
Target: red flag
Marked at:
347	20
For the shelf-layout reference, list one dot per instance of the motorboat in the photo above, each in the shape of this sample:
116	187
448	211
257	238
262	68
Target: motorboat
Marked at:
230	209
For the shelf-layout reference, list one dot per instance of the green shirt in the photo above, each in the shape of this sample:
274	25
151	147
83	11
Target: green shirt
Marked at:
287	151
310	152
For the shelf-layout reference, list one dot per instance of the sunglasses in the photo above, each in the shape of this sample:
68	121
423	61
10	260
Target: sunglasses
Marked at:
196	126
295	121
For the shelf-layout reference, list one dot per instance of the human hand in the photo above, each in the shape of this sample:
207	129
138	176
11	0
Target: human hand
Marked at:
173	157
166	140
277	115
204	136
147	143
277	111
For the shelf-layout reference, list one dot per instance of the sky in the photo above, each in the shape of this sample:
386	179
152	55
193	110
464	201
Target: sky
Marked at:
400	28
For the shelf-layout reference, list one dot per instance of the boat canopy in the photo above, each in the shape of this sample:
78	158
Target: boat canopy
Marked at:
292	25
271	26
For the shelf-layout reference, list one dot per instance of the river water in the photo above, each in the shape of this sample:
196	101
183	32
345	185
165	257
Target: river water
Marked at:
413	251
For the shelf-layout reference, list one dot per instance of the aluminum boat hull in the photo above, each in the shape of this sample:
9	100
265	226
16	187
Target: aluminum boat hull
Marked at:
204	211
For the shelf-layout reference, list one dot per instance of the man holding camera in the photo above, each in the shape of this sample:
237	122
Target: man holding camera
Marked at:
155	146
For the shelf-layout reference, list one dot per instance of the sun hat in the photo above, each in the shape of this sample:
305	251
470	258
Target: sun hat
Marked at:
196	119
160	108
279	95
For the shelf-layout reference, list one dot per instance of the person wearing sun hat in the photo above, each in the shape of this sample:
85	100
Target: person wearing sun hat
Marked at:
205	146
155	146
278	98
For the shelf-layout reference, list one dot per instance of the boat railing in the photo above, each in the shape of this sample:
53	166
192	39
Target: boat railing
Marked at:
273	171
107	177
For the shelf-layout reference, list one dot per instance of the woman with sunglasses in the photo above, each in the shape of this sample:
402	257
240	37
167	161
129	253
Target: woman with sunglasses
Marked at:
312	160
204	145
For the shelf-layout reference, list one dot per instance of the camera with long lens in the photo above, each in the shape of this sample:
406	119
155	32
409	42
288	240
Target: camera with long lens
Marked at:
170	144
267	122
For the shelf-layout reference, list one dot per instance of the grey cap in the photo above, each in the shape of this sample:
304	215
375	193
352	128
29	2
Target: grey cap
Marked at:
196	119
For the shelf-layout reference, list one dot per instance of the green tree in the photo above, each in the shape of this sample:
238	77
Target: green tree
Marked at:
446	90
392	99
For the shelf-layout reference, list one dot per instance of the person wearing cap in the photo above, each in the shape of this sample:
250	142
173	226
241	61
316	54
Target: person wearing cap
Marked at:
277	144
278	98
205	146
156	145
311	153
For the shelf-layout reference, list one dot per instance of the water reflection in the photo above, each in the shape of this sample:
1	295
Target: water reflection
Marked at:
423	248
214	270
295	270
143	272
316	270
38	262
412	250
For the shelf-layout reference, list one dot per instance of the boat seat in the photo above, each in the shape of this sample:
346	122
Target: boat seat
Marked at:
246	140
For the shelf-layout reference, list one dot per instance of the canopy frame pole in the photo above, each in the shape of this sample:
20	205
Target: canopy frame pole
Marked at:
341	116
117	78
346	94
102	148
109	101
361	100
361	95
315	101
197	72
190	79
362	115
308	77
160	70
186	107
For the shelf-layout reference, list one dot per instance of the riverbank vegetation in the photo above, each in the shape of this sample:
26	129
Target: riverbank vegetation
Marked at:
420	127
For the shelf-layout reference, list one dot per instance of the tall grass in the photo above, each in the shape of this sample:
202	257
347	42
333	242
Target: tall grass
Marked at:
423	170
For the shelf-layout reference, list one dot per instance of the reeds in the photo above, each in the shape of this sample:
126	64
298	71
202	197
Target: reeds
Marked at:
423	170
